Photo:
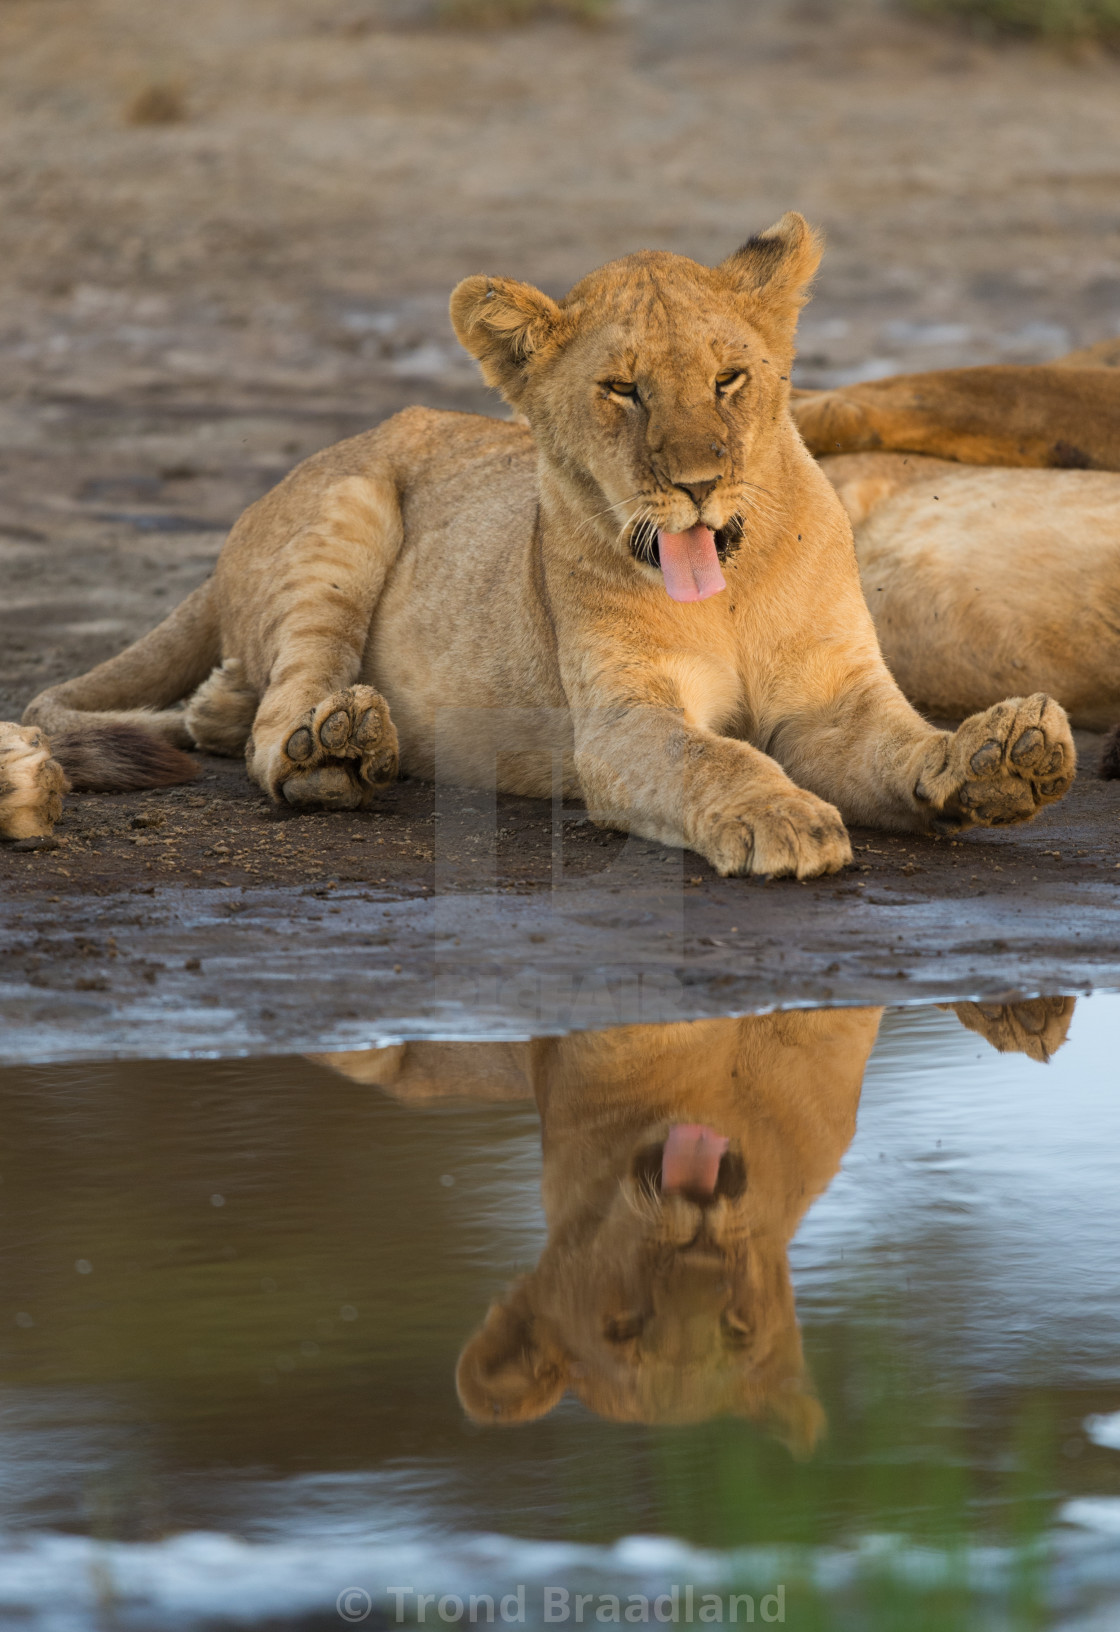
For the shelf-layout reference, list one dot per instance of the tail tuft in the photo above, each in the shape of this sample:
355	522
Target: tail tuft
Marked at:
1109	767
120	759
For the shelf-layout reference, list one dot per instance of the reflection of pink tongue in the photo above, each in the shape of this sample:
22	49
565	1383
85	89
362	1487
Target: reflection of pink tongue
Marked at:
690	565
690	1159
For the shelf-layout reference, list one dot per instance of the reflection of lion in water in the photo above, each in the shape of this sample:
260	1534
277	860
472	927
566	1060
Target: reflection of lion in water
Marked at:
678	1163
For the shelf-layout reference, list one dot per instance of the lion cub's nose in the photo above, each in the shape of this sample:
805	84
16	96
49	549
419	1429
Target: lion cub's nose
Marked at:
698	491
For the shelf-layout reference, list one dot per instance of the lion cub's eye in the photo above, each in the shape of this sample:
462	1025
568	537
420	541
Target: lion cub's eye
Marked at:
623	1328
621	388
730	380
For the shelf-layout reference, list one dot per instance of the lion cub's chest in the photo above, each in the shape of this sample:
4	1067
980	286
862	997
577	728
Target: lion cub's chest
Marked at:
710	690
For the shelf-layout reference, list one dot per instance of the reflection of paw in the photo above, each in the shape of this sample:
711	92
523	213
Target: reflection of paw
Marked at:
1000	766
791	831
1036	1027
340	752
31	783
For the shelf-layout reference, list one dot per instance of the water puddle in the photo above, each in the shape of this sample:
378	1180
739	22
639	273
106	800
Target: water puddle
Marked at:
808	1319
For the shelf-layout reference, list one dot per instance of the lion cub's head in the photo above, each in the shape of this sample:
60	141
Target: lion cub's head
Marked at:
657	391
665	1296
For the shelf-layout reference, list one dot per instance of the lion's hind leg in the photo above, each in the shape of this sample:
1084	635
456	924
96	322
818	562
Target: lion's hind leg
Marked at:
321	739
219	717
32	783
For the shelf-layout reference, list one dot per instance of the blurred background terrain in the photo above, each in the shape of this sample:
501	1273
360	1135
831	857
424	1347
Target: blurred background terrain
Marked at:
228	228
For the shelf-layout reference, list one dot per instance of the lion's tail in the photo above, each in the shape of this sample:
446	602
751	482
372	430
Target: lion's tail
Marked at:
119	759
115	729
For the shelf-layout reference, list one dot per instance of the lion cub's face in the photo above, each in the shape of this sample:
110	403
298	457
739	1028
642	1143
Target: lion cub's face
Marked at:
657	388
653	1304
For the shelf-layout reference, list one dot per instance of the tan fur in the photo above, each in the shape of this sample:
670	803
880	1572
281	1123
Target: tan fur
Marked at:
31	783
652	1307
984	581
402	596
422	1071
1063	415
219	717
718	1328
1037	1027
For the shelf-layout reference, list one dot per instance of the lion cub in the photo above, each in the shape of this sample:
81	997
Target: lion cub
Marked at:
650	579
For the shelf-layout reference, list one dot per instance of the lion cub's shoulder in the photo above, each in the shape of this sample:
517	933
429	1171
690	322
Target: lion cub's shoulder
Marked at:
419	440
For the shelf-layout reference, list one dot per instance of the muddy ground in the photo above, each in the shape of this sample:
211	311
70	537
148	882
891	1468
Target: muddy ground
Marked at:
187	308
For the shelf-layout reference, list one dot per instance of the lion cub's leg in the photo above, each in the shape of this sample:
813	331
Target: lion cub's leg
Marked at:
321	739
885	765
999	767
31	783
647	771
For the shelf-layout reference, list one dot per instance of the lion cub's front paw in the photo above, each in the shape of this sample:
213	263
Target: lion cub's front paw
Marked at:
340	752
788	832
31	783
1000	766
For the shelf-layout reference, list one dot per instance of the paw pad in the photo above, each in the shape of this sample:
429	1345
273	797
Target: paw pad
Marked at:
986	758
1002	766
334	733
1029	744
339	752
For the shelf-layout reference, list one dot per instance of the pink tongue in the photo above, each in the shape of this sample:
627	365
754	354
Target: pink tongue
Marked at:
690	1159
690	565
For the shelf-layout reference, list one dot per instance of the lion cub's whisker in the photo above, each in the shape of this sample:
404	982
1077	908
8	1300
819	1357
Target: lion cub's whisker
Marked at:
616	506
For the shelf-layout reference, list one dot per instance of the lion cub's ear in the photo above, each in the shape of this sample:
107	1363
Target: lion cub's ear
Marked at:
503	324
777	266
511	1371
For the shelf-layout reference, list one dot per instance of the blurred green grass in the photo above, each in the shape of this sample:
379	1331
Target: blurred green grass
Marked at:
1058	20
502	13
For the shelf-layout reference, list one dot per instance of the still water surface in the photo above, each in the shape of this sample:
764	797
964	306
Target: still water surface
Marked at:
860	1368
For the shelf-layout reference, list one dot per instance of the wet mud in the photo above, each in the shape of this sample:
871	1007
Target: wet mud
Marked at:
202	920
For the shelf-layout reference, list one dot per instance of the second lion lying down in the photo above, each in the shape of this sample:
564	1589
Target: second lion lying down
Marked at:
984	576
654	565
